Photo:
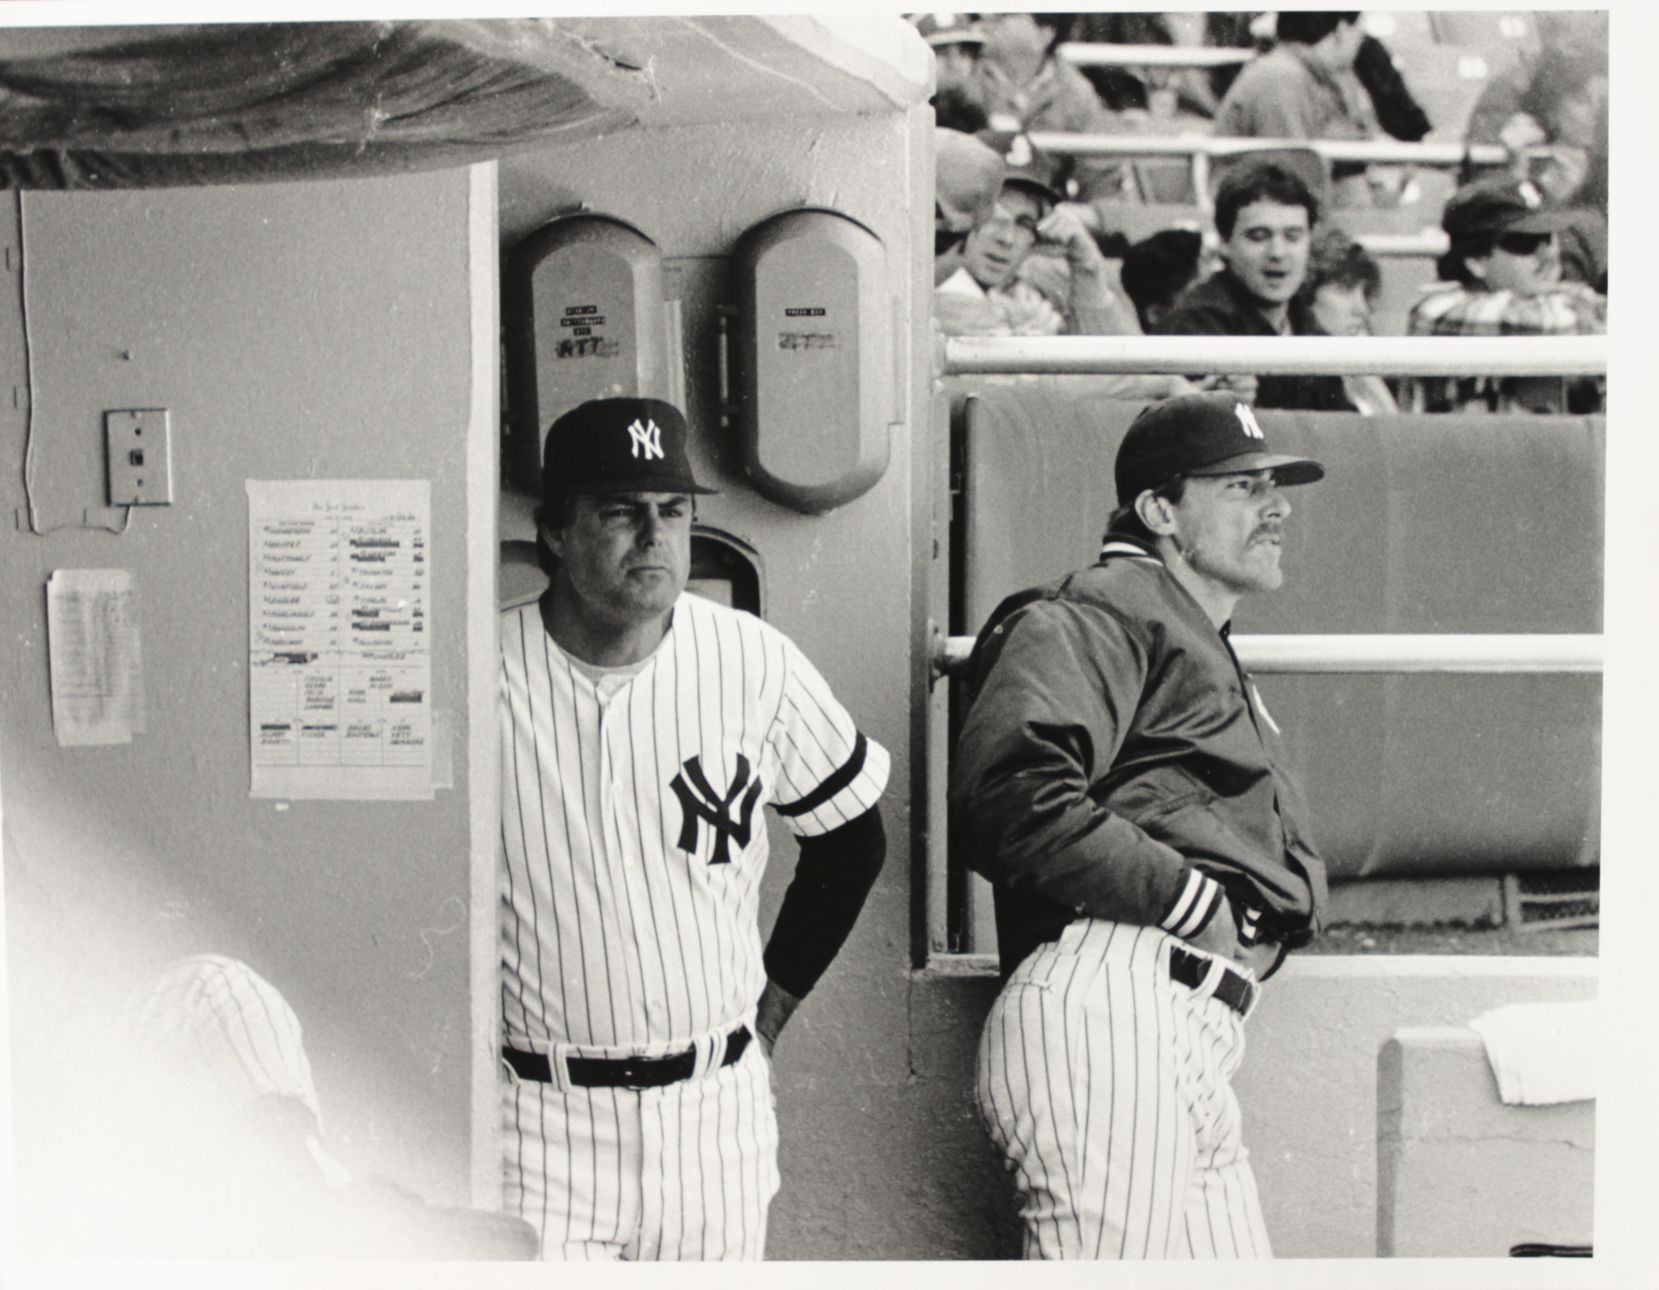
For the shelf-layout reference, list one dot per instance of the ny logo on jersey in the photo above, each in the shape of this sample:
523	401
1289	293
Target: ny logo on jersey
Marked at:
647	438
699	803
1247	419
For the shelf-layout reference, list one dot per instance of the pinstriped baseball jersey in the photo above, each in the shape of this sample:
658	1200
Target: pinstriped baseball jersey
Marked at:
631	837
222	1036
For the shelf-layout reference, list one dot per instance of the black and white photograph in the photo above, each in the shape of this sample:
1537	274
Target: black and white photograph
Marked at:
919	639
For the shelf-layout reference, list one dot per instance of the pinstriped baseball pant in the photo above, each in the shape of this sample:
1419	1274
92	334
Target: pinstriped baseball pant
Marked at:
687	1171
1106	1085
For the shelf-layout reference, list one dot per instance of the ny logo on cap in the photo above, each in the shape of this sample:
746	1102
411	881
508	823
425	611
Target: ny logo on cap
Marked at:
647	439
1247	419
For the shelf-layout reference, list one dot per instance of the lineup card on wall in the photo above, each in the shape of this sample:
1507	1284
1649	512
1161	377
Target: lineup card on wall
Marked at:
339	639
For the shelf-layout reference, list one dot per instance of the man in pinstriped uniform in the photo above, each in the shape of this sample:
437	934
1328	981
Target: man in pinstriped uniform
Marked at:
642	729
1118	777
216	1146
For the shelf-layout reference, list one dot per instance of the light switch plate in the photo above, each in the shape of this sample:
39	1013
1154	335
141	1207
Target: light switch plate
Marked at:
140	456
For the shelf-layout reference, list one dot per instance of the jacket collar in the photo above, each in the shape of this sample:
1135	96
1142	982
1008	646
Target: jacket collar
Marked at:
1118	544
1298	316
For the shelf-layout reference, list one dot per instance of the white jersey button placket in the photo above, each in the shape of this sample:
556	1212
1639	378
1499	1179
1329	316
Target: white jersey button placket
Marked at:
621	824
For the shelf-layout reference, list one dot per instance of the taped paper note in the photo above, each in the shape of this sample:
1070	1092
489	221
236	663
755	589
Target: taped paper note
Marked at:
93	652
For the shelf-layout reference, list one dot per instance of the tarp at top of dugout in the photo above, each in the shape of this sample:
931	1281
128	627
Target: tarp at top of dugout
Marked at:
1423	524
175	105
160	106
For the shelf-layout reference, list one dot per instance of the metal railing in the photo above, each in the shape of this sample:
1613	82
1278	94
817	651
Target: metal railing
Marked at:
1084	53
1277	355
1391	654
1213	146
1430	243
1201	150
1295	355
1378	654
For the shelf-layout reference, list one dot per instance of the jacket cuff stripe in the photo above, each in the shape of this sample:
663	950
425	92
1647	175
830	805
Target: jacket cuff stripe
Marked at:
1200	896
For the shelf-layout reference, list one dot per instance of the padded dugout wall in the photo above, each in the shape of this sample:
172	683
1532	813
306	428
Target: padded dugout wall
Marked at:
1423	524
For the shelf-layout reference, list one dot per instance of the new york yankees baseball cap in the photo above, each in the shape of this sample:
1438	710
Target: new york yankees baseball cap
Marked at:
621	445
1199	434
1500	205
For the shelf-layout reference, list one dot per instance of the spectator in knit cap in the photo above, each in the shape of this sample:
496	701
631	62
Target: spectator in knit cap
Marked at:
1502	277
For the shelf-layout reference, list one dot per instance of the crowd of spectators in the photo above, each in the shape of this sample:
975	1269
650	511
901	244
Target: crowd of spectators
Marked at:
1038	248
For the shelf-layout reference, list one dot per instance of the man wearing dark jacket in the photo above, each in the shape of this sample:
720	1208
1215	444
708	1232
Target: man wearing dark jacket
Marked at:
1264	215
1118	779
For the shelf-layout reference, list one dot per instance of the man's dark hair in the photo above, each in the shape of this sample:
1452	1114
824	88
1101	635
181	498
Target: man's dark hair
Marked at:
1158	268
1058	23
1310	26
1453	266
1124	522
1262	181
955	109
555	511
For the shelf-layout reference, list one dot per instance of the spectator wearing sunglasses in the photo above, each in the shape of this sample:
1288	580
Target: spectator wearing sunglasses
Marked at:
1502	277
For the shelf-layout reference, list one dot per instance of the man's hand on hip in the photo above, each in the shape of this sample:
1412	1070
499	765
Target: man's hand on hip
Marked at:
1220	934
776	1006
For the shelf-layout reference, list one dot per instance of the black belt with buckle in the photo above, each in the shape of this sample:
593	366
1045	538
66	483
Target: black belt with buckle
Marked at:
623	1072
1234	989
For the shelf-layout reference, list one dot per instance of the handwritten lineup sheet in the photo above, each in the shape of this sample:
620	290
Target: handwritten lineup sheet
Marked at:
339	634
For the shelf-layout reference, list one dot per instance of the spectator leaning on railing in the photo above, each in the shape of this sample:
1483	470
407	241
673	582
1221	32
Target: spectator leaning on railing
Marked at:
985	294
979	289
1264	216
1502	277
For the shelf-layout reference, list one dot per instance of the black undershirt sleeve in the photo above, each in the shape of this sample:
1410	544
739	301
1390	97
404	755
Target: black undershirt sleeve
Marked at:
833	876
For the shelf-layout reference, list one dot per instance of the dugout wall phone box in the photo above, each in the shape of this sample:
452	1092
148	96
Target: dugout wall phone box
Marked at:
812	358
585	318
